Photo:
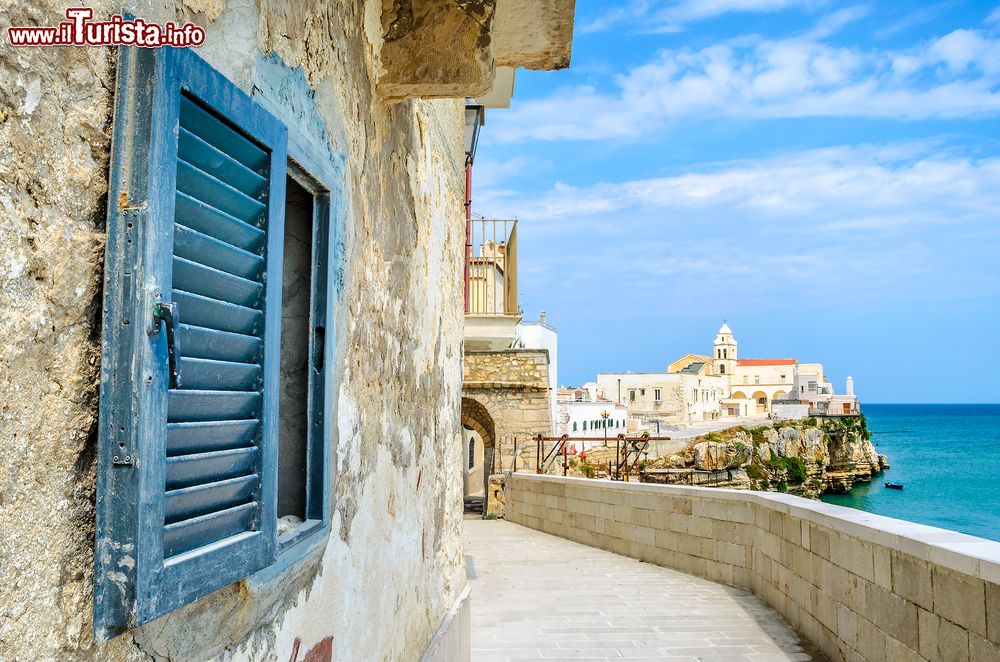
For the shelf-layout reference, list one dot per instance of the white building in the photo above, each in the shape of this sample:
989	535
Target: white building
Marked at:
657	399
539	335
581	416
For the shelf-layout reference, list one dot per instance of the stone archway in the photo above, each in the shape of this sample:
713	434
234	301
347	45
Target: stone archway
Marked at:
476	416
760	399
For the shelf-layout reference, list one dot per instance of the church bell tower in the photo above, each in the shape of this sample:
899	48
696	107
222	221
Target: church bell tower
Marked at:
724	354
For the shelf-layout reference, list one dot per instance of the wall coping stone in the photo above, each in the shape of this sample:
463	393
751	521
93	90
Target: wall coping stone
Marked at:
971	555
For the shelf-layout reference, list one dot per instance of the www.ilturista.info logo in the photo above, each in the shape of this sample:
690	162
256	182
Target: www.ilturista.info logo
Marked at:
79	30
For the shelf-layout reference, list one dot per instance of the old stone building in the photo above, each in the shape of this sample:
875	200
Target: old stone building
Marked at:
184	230
506	399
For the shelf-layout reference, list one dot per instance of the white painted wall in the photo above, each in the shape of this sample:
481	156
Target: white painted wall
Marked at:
539	335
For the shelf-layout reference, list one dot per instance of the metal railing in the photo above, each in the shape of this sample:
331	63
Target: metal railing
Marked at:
628	451
491	267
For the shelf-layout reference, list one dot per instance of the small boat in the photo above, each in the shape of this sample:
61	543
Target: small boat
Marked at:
894	486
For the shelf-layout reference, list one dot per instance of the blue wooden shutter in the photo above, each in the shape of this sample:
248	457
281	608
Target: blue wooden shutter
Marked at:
187	485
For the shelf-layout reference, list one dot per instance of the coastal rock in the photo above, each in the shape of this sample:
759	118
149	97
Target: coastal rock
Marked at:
712	456
806	458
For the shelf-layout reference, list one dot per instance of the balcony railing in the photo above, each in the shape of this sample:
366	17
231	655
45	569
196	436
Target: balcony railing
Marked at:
491	268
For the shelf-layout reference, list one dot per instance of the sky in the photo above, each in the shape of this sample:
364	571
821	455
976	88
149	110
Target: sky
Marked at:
823	175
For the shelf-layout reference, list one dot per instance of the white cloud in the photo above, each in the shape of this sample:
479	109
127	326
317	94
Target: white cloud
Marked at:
955	76
863	187
911	221
652	16
994	16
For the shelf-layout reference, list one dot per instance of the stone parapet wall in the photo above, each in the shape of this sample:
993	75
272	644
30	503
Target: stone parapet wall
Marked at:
859	586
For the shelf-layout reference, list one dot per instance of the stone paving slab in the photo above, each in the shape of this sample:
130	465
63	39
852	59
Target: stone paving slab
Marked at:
540	597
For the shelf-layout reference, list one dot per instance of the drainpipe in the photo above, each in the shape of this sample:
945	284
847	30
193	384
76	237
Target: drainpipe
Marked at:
468	227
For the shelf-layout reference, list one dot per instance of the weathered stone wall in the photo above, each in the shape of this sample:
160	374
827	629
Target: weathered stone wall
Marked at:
513	387
392	568
859	586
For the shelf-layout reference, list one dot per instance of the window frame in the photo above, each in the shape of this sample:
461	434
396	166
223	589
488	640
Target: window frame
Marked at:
323	178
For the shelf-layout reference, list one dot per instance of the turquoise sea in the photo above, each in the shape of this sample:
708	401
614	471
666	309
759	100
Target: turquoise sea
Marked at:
947	457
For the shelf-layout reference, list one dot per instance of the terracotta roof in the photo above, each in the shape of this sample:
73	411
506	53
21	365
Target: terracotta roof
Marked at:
752	362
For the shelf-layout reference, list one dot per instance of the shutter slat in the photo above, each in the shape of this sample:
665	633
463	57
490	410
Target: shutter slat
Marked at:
205	218
197	532
220	135
202	343
184	406
202	468
221	315
207	158
206	436
199	279
189	502
216	193
204	249
219	375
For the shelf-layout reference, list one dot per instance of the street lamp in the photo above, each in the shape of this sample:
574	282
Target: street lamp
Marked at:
605	414
475	117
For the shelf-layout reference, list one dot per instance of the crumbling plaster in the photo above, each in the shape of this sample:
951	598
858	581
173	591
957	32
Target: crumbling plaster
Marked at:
392	567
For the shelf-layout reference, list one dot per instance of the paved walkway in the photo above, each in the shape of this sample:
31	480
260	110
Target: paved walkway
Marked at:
536	596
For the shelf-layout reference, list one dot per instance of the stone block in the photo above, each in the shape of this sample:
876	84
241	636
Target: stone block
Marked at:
953	643
682	506
929	626
742	513
911	579
659	520
819	541
639	517
959	598
897	652
993	611
721	530
744	534
883	567
700	526
871	641
679	522
894	615
847	625
983	649
854	555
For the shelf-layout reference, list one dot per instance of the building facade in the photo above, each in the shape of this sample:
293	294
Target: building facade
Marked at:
580	416
193	474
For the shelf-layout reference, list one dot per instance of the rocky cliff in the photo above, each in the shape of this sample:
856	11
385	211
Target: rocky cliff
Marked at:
807	458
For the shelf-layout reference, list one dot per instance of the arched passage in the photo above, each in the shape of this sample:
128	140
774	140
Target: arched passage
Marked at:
475	473
477	417
760	398
738	395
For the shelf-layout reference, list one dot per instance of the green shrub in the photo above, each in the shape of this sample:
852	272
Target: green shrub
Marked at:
783	487
793	466
588	469
796	469
754	472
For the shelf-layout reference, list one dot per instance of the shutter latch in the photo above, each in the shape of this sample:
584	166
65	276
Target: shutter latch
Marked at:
170	313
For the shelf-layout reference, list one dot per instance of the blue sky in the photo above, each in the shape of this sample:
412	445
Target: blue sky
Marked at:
824	175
